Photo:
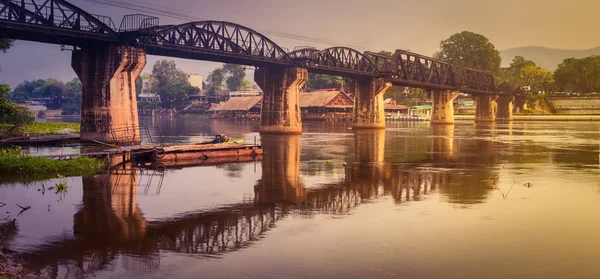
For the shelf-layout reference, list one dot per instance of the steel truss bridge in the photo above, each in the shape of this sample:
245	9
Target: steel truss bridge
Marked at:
60	22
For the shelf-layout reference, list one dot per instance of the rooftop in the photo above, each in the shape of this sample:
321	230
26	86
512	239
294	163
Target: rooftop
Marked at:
238	104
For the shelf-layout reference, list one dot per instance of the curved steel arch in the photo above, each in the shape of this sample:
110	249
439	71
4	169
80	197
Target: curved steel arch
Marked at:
306	53
54	14
217	38
343	60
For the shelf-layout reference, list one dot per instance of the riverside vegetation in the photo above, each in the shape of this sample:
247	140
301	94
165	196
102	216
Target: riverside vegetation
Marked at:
16	164
43	128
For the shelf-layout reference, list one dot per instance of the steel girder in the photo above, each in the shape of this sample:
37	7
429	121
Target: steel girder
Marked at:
414	70
53	21
215	41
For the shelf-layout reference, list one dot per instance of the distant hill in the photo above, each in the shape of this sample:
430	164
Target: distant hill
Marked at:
547	58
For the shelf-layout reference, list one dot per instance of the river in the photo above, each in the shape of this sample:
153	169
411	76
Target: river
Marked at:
517	200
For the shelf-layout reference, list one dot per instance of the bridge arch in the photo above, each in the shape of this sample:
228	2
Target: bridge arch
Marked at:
306	53
344	59
56	14
204	37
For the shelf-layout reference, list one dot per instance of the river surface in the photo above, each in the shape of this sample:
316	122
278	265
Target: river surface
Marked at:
518	200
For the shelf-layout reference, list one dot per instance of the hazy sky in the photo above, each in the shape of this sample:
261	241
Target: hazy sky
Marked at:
418	25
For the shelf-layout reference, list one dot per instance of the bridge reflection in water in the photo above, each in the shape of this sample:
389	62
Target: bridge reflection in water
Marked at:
111	226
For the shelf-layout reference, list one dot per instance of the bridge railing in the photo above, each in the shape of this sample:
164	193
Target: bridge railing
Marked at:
137	22
50	13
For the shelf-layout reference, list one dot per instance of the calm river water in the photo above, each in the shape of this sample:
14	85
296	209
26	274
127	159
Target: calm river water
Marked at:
518	200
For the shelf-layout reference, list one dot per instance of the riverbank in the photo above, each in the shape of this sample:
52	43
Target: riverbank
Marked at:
541	117
15	165
40	128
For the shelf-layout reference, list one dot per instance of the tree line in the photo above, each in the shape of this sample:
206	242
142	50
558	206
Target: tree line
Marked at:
476	51
56	94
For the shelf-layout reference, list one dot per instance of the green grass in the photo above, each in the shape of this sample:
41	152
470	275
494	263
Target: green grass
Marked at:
43	128
16	166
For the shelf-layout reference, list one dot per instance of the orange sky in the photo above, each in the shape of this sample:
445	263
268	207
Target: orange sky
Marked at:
418	25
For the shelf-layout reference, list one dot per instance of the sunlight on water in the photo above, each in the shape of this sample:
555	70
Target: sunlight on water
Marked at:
513	200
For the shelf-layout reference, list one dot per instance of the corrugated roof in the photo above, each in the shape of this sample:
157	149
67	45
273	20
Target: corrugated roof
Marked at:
319	99
422	107
395	107
239	104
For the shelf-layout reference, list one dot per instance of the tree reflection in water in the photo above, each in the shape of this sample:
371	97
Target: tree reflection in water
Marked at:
110	225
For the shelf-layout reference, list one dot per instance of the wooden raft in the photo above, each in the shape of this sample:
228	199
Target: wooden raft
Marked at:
195	152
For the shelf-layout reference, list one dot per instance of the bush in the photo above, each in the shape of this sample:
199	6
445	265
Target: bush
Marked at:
11	113
14	164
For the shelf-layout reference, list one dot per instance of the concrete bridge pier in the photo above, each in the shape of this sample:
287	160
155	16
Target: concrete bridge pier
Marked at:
519	104
109	105
505	108
280	111
443	106
485	111
368	105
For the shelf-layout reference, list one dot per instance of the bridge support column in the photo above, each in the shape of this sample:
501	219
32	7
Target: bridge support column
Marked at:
519	104
109	105
280	111
485	109
505	108
368	103
443	106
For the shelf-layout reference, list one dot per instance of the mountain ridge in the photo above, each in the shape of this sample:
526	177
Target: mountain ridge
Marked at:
545	57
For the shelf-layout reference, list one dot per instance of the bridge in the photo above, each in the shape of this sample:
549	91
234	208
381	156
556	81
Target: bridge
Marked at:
110	225
108	60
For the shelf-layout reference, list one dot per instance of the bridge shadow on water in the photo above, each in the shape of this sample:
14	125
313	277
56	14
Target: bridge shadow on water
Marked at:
110	227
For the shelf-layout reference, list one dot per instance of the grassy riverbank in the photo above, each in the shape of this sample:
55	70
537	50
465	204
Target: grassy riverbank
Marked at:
16	166
44	128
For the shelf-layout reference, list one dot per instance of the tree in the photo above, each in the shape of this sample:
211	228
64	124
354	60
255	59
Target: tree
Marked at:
470	49
5	44
26	90
579	75
320	81
236	78
9	113
523	72
54	90
139	84
214	81
73	97
170	83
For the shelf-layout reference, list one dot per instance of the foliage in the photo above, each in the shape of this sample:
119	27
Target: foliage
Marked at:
139	84
170	83
144	105
15	164
320	81
407	96
44	128
523	72
215	81
26	90
9	112
579	75
5	44
61	187
233	75
470	49
540	99
236	77
67	96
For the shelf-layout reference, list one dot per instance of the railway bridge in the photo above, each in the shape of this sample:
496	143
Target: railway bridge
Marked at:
108	60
